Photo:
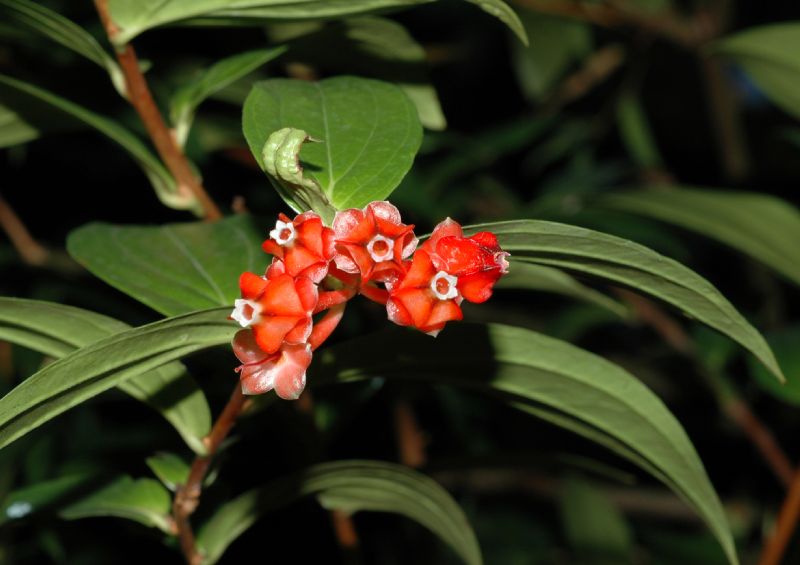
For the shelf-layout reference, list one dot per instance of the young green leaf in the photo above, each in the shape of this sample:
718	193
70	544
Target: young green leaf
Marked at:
106	363
57	330
159	176
175	268
624	262
350	486
14	130
577	389
762	226
40	19
370	133
769	55
170	469
143	500
191	94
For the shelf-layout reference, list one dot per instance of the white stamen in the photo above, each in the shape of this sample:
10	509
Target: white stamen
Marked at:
452	291
284	233
246	312
386	255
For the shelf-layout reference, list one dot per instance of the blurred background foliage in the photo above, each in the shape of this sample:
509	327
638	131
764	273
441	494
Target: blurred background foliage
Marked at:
611	119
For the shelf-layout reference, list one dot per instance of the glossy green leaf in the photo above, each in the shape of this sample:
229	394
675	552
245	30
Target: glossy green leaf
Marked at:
40	19
786	344
57	330
762	226
570	386
143	500
624	262
158	175
175	268
528	276
595	529
192	93
106	363
769	55
370	133
170	469
351	486
32	499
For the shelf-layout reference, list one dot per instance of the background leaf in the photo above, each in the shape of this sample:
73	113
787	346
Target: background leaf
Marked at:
575	388
175	268
57	330
350	486
170	469
762	226
627	263
370	133
786	345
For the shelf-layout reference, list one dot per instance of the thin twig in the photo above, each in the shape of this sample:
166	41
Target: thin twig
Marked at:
163	139
30	250
776	545
731	402
411	440
187	496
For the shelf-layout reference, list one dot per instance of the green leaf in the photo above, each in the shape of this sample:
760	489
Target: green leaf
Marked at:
142	500
528	276
57	330
624	262
786	344
762	226
567	385
505	14
370	133
14	129
558	44
595	528
191	94
170	469
175	268
103	364
636	133
29	500
40	19
350	486
769	55
136	16
160	178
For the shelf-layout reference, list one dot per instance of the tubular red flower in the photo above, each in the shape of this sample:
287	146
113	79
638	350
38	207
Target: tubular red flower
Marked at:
304	245
373	242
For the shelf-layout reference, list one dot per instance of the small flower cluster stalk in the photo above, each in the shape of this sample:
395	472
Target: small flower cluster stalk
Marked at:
292	308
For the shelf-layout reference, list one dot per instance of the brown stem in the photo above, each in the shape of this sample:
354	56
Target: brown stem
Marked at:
775	547
733	406
30	250
187	496
410	438
163	139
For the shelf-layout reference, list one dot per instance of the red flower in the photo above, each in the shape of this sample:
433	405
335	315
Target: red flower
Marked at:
373	242
260	372
477	261
278	308
303	244
426	298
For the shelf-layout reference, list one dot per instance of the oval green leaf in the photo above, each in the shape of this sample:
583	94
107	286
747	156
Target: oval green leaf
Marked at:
581	391
370	133
57	330
762	226
175	268
624	262
350	486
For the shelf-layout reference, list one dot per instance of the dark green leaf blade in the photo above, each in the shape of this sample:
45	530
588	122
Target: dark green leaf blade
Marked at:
57	330
370	133
624	262
350	486
109	362
536	371
175	268
762	226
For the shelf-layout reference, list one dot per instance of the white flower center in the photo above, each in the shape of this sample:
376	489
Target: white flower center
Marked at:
380	248
501	261
443	286
246	312
283	234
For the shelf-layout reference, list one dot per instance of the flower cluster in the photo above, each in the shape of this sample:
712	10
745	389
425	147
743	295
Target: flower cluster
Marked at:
316	269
